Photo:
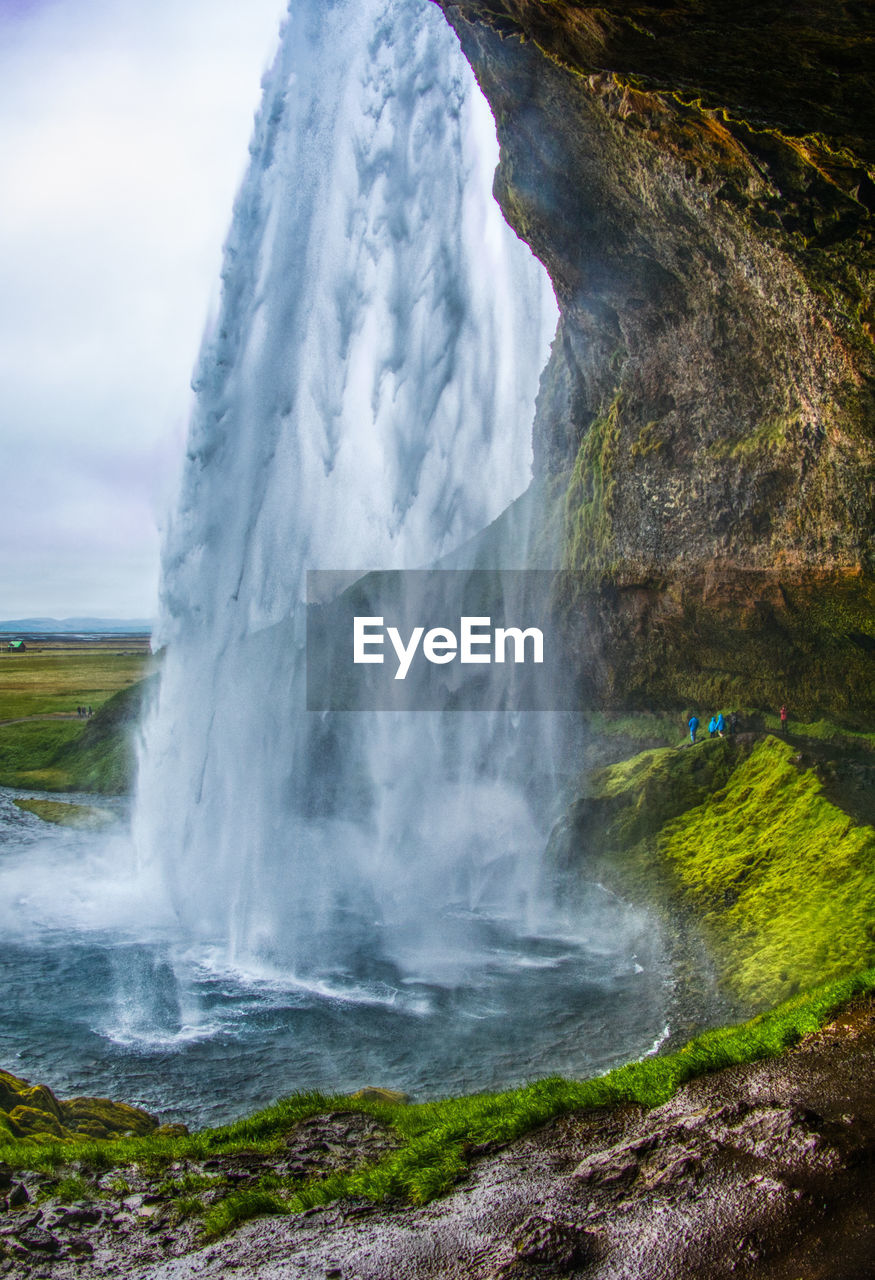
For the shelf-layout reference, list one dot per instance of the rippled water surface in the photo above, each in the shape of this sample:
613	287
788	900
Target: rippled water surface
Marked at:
94	1003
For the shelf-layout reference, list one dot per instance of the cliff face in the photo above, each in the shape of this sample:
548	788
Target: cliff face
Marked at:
697	179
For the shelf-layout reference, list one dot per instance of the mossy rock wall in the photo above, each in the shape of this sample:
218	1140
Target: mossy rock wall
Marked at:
698	181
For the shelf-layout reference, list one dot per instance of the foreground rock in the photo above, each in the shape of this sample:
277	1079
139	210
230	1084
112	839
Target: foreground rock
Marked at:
130	1218
763	1171
32	1110
81	817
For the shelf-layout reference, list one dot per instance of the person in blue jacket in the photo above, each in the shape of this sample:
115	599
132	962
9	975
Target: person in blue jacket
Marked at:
712	727
720	724
693	724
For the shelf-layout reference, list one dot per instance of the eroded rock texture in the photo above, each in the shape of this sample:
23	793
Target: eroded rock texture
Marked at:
697	179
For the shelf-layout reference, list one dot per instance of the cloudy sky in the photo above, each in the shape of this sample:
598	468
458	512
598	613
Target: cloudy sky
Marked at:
123	135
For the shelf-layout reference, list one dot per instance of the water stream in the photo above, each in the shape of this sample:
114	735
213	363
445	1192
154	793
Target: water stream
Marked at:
330	900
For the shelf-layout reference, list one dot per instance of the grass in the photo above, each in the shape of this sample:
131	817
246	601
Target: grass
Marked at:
28	751
822	731
52	681
439	1139
70	754
72	1188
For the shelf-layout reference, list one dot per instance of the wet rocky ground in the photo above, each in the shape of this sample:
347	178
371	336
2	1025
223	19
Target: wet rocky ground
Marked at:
762	1171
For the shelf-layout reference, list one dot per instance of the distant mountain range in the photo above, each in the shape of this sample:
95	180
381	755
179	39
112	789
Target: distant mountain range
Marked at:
116	626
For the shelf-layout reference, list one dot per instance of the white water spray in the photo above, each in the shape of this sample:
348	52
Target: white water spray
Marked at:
365	401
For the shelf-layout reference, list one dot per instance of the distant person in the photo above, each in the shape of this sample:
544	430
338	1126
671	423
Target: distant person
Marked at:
712	727
720	724
783	715
733	723
693	724
90	713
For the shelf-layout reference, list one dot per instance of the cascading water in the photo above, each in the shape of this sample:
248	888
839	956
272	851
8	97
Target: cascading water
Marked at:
323	899
365	402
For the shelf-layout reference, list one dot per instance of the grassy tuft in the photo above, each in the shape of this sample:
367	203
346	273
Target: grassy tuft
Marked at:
72	1188
238	1207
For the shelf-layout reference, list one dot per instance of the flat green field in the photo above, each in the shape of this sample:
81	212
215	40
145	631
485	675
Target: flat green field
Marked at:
55	679
43	743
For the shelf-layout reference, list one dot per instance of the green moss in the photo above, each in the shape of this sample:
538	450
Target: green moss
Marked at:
33	1112
649	441
781	879
588	498
643	727
741	854
638	796
82	817
769	435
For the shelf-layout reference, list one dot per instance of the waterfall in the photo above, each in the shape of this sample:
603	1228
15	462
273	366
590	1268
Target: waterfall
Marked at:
364	401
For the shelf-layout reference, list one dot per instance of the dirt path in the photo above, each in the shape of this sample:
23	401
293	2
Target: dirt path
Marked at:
51	715
763	1171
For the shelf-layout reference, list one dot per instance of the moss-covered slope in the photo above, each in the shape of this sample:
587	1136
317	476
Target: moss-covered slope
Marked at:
782	880
738	841
98	755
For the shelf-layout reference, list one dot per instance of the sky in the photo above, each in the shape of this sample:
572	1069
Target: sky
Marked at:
123	137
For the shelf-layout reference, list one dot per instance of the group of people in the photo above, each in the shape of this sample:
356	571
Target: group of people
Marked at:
84	713
717	725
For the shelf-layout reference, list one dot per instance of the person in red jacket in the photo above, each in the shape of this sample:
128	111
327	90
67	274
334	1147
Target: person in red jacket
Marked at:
783	715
